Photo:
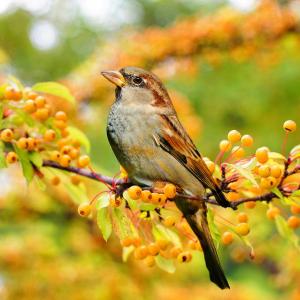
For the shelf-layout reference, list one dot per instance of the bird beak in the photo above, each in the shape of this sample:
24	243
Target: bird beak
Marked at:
115	77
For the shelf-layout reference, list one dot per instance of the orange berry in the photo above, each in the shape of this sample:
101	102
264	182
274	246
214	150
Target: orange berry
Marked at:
61	115
272	212
49	135
83	161
247	140
7	135
268	183
74	153
22	143
184	257
42	114
29	106
155	198
242	228
55	155
295	209
134	192
136	241
55	180
65	160
233	196
238	152
126	242
227	238
115	201
169	221
60	124
242	217
194	245
32	143
163	244
225	146
250	204
62	142
293	222
264	171
75	179
66	149
11	93
175	251
146	196
262	155
289	126
31	95
233	136
153	249
64	132
40	101
84	209
162	199
149	261
141	252
170	190
11	157
276	171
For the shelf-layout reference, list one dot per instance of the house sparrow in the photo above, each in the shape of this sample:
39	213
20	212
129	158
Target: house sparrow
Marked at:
151	144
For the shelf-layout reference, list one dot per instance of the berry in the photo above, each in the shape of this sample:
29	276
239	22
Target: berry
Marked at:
83	161
211	166
64	132
66	149
238	152
40	101
225	146
163	244
272	213
169	221
276	171
289	126
242	217
11	157
55	180
250	204
42	113
7	135
12	93
22	143
65	160
247	140
84	209
149	261
115	201
32	143
162	199
175	251
293	222
155	198
74	153
55	155
75	179
153	249
141	252
242	228
194	245
31	95
170	190
49	135
262	155
233	136
126	242
30	106
136	241
264	171
295	209
60	124
227	238
134	192
146	196
268	183
61	115
184	257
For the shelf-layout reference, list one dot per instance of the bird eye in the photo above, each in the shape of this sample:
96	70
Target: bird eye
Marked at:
137	80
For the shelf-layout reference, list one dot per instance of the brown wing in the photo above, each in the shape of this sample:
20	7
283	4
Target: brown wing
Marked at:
174	140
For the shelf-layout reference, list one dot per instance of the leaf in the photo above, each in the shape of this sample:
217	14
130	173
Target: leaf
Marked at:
216	235
123	224
40	183
103	201
165	264
147	206
132	203
24	159
245	173
286	232
36	159
277	192
2	156
276	156
161	232
77	134
77	193
54	88
104	222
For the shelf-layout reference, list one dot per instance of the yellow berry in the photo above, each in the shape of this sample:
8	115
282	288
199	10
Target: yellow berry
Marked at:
276	171
55	155
29	106
75	179
250	204
262	155
155	198
84	209
268	183
49	135
184	257
242	217
293	222
170	190
60	124
7	135
247	140
61	115
149	261
64	132
136	241
264	171
115	201
153	249
169	221
289	126
134	192
234	136
242	228
227	238
225	146
31	95
42	113
272	212
295	209
74	153
83	161
146	196
194	245
22	143
11	93
66	149
175	251
11	157
55	180
141	252
238	152
32	143
40	101
127	241
65	160
163	244
162	199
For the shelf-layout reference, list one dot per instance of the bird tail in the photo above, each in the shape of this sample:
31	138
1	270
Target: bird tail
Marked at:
212	261
220	197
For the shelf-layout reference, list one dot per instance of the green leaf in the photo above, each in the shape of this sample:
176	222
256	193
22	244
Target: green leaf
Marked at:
103	201
77	193
161	232
2	156
286	232
245	172
36	159
277	192
54	88
77	134
123	224
24	159
132	203
147	206
276	156
40	183
104	222
165	264
216	235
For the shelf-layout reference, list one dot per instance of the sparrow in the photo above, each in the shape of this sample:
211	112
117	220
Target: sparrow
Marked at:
149	141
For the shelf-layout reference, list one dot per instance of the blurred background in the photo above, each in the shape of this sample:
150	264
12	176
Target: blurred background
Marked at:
228	65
